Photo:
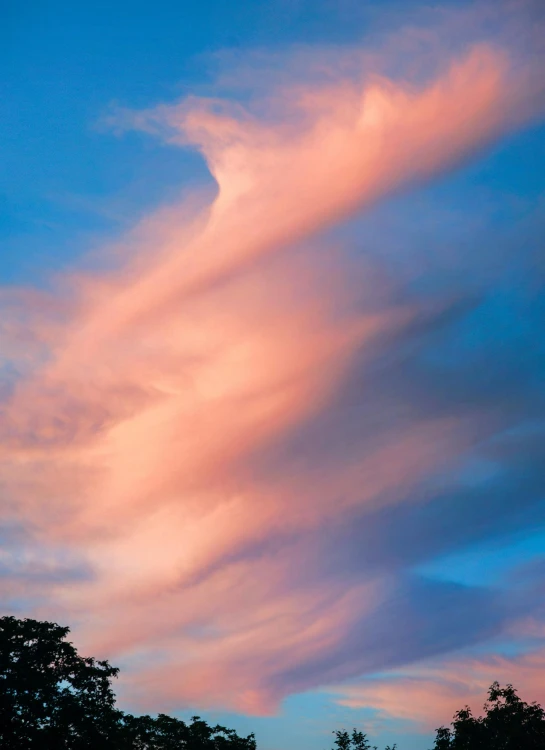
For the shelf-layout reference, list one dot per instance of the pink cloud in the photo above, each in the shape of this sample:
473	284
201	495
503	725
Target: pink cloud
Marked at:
150	394
429	695
334	150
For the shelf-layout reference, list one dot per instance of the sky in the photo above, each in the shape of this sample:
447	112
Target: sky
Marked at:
272	363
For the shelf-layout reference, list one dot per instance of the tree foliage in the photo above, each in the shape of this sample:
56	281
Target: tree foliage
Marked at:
168	733
355	741
49	695
51	698
508	723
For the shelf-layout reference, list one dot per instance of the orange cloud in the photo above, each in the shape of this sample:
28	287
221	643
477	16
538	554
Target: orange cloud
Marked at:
339	148
137	431
430	695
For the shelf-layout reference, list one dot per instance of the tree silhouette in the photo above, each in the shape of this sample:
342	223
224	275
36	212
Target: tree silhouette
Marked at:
342	739
168	733
355	741
51	698
509	723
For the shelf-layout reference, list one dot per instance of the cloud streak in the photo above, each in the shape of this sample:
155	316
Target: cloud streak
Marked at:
186	429
432	694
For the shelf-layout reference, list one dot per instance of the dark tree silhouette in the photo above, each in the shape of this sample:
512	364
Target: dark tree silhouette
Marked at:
167	733
51	698
508	723
355	741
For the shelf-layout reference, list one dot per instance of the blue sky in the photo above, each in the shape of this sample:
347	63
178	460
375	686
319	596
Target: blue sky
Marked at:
437	569
66	179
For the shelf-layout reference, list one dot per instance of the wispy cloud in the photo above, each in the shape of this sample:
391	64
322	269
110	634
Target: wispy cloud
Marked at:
207	426
430	695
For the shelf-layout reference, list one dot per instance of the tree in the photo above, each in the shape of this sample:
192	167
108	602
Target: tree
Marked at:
168	733
355	741
49	695
51	698
509	723
359	741
342	739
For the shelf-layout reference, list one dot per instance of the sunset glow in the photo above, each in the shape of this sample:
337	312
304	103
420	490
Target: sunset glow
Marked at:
278	432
